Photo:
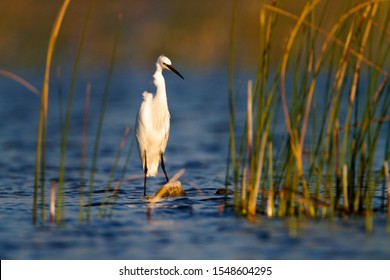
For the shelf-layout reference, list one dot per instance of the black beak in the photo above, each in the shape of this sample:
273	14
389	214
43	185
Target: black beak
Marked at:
174	70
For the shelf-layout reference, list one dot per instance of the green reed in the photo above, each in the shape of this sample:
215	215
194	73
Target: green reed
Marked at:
84	151
112	173
101	116
57	198
39	179
325	160
65	130
232	141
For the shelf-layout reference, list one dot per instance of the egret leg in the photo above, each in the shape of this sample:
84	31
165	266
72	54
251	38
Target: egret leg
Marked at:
163	167
145	172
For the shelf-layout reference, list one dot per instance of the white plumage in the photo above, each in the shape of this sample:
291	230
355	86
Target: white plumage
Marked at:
153	123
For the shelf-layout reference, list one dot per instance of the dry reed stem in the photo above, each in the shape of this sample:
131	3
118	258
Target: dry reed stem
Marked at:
21	81
355	78
349	39
175	177
113	168
41	134
84	140
308	7
250	129
339	77
362	48
255	189
344	17
53	200
340	74
387	184
345	188
270	202
380	88
244	190
50	51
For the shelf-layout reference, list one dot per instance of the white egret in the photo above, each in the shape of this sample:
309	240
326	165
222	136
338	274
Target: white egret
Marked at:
153	121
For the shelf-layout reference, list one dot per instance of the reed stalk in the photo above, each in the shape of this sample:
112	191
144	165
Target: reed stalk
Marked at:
59	96
244	192
20	81
65	132
253	194
345	187
53	188
249	132
387	184
271	202
314	143
232	143
113	169
124	168
101	116
84	151
41	133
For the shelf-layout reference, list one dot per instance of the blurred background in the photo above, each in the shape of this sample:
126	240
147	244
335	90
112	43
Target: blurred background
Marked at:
193	33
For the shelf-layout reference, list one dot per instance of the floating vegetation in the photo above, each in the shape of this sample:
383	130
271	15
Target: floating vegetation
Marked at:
170	189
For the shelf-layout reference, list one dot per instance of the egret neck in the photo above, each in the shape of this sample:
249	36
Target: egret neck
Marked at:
159	82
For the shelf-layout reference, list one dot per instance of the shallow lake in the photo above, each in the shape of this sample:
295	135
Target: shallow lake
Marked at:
198	226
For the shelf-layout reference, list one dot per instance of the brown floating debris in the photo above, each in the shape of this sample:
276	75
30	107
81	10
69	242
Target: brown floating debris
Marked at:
170	189
224	191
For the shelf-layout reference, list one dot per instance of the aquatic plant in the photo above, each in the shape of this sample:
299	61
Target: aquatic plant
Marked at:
65	129
20	80
102	114
39	180
57	197
332	85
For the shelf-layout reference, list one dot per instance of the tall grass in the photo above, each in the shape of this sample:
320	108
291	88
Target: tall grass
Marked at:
320	154
39	179
57	198
84	152
232	150
102	114
60	205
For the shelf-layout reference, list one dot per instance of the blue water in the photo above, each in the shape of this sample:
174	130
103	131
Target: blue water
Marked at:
200	226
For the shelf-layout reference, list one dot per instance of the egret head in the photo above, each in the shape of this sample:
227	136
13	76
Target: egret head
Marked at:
165	63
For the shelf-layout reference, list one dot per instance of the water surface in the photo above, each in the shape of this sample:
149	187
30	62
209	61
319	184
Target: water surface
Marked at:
200	226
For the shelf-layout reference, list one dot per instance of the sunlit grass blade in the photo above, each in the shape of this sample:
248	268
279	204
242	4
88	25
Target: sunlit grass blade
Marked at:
65	132
320	164
253	194
101	116
271	201
41	133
